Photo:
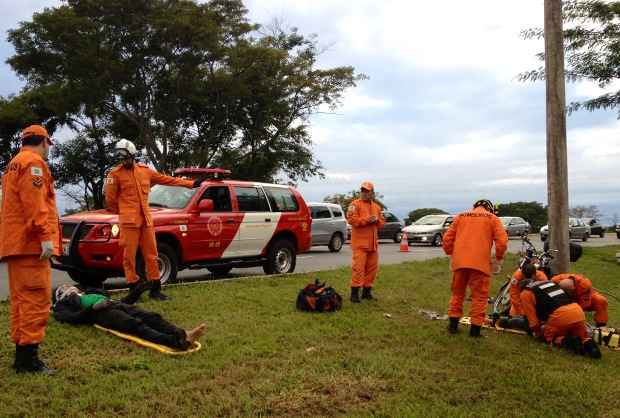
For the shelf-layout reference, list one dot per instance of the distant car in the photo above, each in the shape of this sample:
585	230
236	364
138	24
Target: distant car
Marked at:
515	226
329	226
595	227
391	230
576	230
429	229
618	230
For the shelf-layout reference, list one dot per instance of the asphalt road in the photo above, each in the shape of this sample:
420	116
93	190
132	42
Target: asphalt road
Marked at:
320	258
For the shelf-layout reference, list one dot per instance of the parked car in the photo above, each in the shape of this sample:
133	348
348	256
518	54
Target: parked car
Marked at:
391	230
328	225
576	230
220	225
515	226
595	227
618	231
429	229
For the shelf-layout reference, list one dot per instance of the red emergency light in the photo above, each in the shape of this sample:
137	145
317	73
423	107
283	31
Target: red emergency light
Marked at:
193	173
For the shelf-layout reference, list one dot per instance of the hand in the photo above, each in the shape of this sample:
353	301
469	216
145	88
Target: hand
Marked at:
102	305
47	249
497	266
198	182
373	219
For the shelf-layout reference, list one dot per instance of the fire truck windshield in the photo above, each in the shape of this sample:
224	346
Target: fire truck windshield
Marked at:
173	197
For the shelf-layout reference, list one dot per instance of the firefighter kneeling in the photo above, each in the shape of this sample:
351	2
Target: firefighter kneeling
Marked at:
553	316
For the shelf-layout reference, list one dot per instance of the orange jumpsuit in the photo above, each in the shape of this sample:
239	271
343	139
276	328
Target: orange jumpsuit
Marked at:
364	241
567	320
127	193
29	217
469	241
515	293
588	298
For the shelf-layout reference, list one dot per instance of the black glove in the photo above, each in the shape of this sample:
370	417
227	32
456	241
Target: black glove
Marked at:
199	181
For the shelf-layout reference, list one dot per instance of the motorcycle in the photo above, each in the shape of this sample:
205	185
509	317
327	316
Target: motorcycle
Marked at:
528	254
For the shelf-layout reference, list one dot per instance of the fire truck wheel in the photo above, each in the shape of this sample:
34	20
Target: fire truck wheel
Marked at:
167	261
281	257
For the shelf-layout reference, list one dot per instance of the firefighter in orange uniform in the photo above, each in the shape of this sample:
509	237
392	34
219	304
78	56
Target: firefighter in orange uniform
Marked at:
528	271
469	241
127	193
579	288
29	237
366	219
554	317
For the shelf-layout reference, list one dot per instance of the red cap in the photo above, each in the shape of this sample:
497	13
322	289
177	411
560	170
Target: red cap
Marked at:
37	130
368	186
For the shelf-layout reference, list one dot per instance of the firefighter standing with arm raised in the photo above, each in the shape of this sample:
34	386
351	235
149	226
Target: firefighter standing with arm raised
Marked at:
469	241
127	193
29	237
366	219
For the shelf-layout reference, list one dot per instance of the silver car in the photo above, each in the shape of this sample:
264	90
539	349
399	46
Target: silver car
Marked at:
576	230
329	226
429	229
515	226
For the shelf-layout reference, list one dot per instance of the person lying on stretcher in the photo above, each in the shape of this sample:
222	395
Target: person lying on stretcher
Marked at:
94	306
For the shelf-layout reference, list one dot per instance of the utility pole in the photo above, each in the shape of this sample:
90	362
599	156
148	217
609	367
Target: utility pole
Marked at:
557	166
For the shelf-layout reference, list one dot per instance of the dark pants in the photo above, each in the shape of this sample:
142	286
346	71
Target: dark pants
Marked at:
147	325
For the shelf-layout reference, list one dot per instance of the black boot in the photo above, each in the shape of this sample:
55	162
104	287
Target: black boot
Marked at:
19	356
367	293
355	294
155	292
591	349
31	362
135	291
453	326
572	344
474	331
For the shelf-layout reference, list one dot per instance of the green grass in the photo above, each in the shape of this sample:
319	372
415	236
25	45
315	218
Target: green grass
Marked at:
262	358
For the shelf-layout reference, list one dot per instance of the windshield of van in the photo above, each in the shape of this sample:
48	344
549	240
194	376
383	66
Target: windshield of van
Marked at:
505	220
173	197
430	220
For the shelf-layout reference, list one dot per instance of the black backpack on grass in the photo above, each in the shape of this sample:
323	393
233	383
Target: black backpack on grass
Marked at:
318	297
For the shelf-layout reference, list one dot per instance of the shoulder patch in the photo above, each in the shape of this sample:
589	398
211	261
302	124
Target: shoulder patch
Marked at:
37	182
109	180
36	171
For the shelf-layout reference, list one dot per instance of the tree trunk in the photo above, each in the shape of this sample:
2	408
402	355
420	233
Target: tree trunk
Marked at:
557	166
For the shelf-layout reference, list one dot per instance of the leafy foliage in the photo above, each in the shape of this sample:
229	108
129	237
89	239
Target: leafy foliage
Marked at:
416	214
193	84
345	199
592	49
590	211
533	212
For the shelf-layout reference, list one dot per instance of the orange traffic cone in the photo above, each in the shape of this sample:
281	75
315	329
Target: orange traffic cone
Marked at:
404	243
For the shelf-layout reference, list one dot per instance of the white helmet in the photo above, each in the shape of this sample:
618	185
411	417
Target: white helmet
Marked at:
125	146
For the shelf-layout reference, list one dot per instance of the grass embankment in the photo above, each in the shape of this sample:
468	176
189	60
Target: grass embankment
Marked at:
261	357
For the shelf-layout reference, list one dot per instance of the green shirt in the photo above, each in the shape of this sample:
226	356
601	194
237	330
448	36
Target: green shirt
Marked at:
87	301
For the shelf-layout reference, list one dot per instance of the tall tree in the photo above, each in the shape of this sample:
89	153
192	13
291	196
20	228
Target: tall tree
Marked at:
345	199
194	84
591	46
582	211
416	214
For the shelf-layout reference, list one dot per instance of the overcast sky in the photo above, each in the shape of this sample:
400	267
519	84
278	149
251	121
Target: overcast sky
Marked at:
442	120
